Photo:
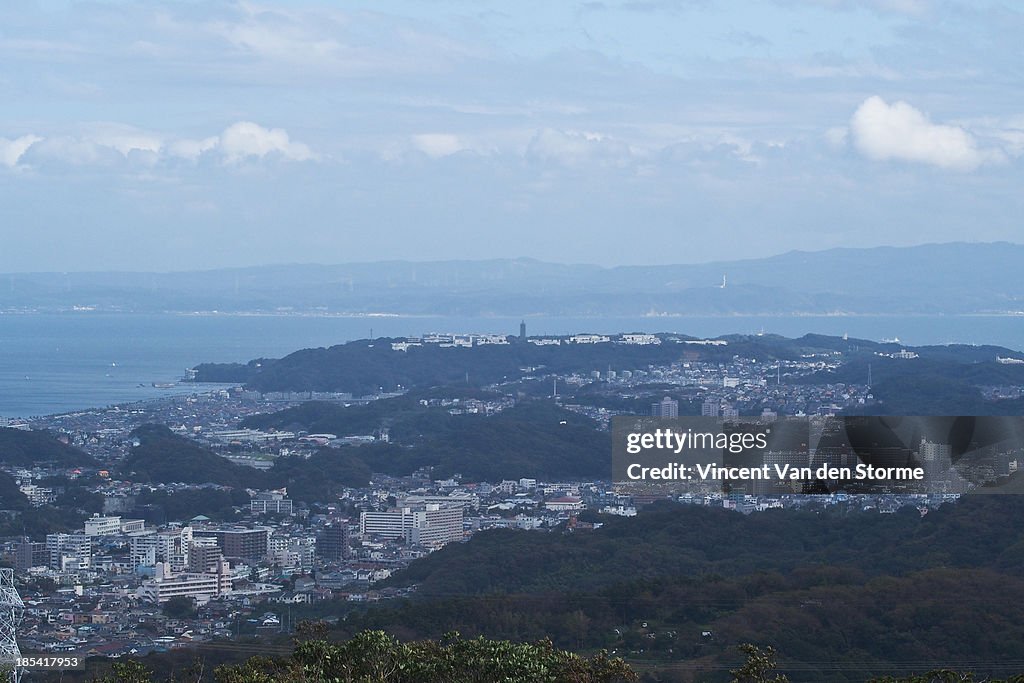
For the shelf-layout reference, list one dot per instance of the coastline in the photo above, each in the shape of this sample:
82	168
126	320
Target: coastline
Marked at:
52	363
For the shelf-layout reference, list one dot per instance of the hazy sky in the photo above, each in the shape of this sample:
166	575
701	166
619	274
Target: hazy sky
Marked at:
181	135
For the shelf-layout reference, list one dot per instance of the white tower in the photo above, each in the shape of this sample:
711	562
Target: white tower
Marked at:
11	610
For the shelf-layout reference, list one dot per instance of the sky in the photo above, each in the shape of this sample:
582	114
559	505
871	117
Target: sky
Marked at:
190	135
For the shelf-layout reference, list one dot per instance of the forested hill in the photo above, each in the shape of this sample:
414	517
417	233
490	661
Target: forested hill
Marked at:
364	367
533	438
162	456
404	415
942	381
11	497
23	448
536	437
369	366
691	583
696	540
165	457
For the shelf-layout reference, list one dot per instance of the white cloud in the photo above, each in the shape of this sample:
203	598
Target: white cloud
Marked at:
193	149
577	148
274	42
12	150
246	139
1012	139
124	139
73	150
437	144
900	132
105	144
1006	132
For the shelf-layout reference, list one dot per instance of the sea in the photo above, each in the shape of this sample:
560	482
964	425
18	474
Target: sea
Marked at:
62	362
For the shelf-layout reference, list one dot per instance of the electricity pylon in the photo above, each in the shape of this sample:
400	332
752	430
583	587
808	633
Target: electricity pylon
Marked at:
11	611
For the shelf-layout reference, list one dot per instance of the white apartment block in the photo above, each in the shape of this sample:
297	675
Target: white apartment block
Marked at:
564	504
589	339
37	495
292	553
276	502
639	339
69	551
170	546
432	525
466	500
112	526
201	587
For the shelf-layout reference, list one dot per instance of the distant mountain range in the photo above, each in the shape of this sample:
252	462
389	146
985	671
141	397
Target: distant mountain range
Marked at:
954	278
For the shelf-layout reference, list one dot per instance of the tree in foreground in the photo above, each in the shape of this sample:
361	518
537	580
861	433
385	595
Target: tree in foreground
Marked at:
759	667
376	657
946	676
